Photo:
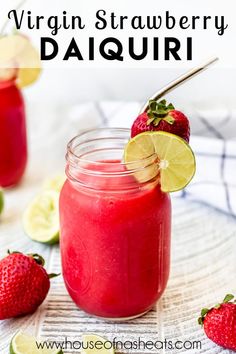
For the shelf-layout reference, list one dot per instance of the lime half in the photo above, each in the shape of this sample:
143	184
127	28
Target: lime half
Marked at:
1	201
175	159
23	343
41	218
17	52
94	344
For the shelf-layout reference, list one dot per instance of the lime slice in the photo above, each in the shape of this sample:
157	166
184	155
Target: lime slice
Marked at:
41	218
1	201
23	343
16	51
55	183
175	159
94	344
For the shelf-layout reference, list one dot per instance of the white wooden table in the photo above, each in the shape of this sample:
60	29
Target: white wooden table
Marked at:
203	257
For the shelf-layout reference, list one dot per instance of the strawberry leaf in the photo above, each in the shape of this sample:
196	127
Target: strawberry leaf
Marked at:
217	306
228	298
53	275
169	119
150	120
162	102
204	312
170	107
200	321
153	105
156	121
38	259
158	111
12	252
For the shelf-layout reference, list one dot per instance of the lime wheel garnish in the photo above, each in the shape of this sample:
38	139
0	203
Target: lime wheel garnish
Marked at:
175	159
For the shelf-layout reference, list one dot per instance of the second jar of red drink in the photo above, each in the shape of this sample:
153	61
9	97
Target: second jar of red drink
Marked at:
115	232
13	142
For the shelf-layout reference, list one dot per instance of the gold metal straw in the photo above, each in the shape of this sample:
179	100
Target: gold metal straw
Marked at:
179	81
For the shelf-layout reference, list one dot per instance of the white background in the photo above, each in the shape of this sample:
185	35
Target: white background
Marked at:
139	80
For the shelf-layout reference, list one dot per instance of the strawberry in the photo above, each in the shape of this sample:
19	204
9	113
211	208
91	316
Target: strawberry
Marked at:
24	284
219	323
161	116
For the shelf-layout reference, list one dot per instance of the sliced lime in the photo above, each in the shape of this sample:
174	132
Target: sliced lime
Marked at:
1	201
16	51
94	344
54	183
41	218
175	159
23	343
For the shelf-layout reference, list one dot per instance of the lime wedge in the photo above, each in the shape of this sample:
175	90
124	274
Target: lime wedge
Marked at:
17	52
1	201
94	344
55	183
41	218
175	159
23	343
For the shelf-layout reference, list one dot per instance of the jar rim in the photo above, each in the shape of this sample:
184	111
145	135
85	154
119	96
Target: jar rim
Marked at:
107	173
77	141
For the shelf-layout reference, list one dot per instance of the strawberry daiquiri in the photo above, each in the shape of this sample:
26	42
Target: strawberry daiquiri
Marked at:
115	231
13	143
14	73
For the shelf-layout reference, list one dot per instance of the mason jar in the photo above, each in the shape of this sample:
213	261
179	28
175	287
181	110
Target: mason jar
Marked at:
115	231
13	140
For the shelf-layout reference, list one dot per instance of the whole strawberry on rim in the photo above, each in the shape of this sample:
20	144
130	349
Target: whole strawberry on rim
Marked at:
164	117
24	284
219	323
